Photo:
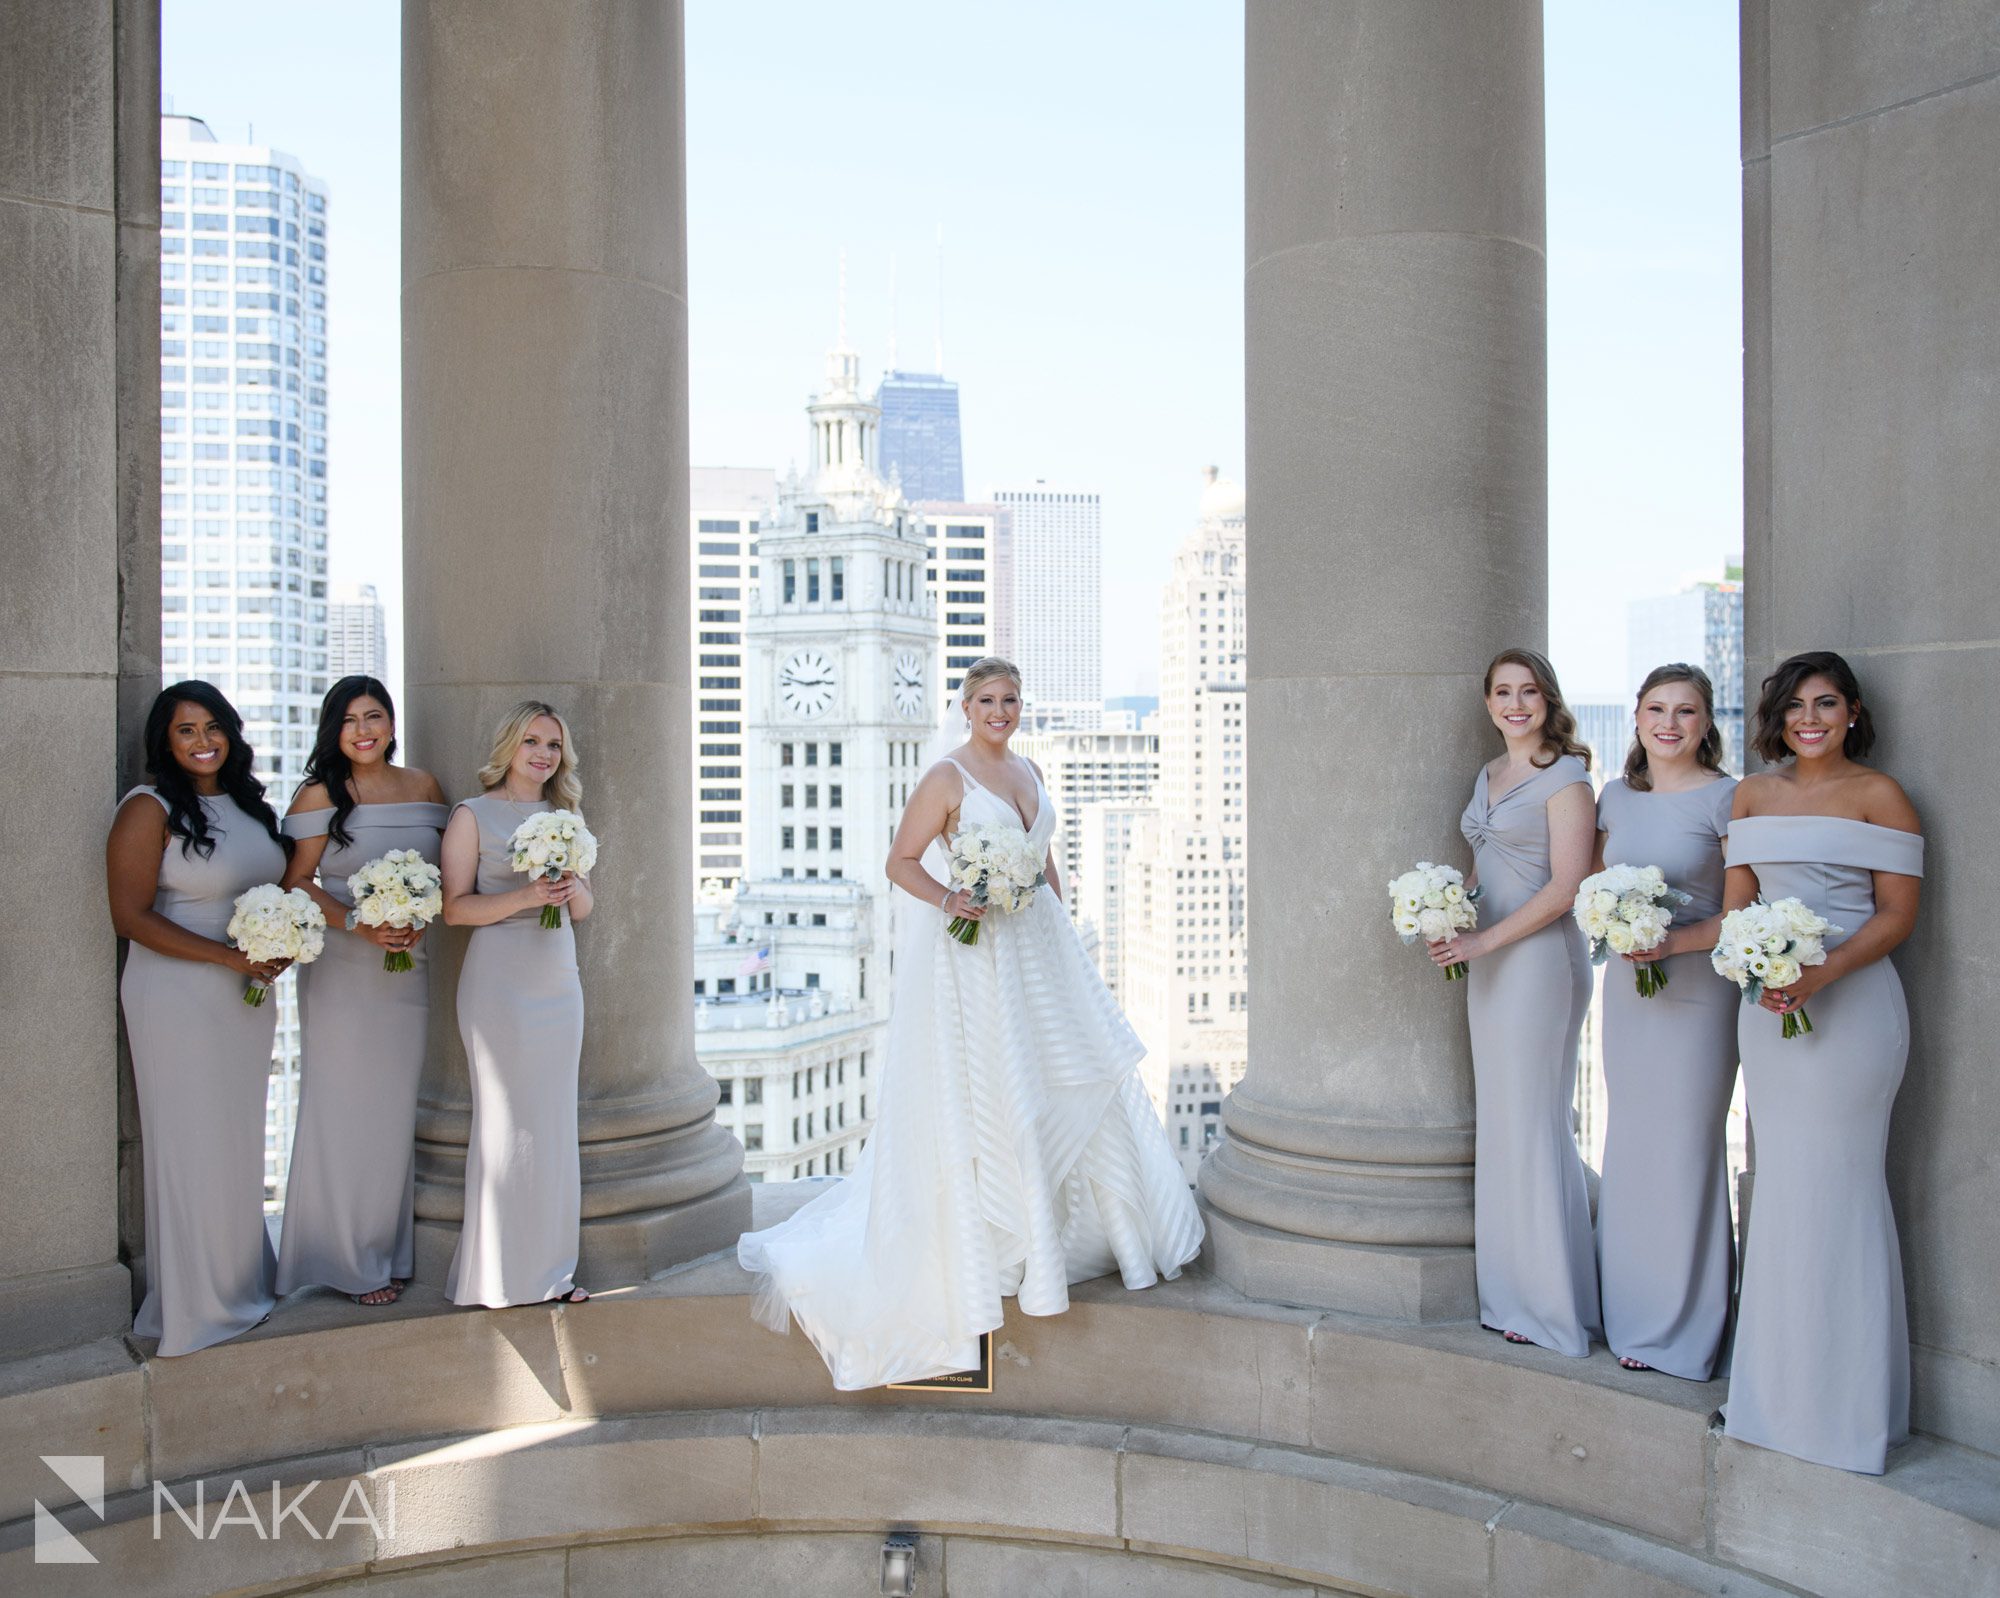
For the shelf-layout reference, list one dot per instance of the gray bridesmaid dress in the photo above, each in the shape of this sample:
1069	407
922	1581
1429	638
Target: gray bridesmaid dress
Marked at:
200	1060
520	1014
1533	1255
1821	1367
1663	1235
347	1221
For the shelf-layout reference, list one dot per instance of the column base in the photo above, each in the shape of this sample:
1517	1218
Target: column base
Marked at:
620	1250
1401	1283
60	1309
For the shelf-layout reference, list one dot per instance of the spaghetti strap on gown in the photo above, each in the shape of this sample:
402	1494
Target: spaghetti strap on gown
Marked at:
1014	1151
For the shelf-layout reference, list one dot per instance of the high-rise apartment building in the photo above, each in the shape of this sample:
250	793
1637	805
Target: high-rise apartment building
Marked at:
1102	893
1702	625
1085	768
968	564
243	468
725	504
357	633
1056	606
1185	940
920	438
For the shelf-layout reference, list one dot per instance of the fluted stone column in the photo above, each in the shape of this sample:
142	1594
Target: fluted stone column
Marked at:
545	549
1397	412
1871	497
79	624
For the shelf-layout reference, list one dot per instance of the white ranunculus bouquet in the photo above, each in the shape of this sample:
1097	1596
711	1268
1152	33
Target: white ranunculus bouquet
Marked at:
400	889
1769	946
1626	910
274	923
549	843
995	864
1432	902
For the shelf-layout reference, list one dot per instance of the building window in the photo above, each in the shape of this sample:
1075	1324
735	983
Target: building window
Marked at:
819	918
812	582
812	796
833	791
784	754
833	837
753	1139
833	754
728	1092
785	842
812	754
812	979
812	521
812	837
837	577
785	796
791	581
753	1090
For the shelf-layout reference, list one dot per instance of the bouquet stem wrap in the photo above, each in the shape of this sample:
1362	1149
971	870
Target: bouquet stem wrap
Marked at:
399	889
1432	902
1769	946
552	844
1627	910
273	923
997	866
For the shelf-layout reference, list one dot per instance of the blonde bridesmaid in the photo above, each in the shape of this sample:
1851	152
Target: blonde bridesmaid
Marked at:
520	1014
1664	1252
347	1222
181	849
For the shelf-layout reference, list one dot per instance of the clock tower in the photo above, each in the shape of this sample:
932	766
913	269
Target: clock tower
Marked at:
840	676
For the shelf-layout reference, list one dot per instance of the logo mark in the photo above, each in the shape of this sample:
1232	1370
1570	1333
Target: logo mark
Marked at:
83	1475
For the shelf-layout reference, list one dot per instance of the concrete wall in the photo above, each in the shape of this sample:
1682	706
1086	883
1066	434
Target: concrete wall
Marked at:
79	609
1871	144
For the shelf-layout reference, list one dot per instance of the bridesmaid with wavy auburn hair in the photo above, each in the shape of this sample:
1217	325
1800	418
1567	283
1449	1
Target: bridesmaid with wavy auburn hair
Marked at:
520	1015
1531	825
1664	1252
1821	1367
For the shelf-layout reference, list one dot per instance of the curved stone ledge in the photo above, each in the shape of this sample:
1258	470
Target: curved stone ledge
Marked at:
1184	1423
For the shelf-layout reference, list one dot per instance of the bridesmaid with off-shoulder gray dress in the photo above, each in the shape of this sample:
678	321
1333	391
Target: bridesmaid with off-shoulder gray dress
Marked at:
347	1222
520	1015
1527	990
200	1056
1821	1366
1664	1249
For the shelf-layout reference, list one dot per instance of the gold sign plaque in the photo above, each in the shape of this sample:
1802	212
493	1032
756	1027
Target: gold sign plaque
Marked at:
977	1380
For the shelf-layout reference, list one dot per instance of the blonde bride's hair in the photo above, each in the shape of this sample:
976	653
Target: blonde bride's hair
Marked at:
985	669
565	789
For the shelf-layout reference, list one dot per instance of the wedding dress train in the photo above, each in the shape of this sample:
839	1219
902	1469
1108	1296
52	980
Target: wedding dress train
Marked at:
1014	1151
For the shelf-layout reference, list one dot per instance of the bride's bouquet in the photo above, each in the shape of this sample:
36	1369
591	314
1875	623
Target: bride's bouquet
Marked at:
400	889
996	865
549	843
1769	946
1626	910
1432	902
273	923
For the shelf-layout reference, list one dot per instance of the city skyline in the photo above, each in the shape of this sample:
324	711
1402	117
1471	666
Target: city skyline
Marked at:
1644	283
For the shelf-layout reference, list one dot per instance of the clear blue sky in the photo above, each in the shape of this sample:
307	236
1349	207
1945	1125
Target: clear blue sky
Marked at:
1085	164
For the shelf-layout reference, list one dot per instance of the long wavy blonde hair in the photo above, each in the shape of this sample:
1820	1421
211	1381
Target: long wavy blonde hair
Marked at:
565	789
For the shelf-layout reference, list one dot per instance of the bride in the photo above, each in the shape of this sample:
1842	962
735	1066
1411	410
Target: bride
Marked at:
1015	1150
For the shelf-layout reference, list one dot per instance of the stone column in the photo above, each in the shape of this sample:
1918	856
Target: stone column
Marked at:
545	552
1871	495
1397	414
79	623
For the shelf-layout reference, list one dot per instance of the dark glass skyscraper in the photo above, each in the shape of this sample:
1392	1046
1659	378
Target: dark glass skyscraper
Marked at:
920	435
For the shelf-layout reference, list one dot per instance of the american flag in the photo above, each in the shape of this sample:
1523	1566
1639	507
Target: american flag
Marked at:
757	960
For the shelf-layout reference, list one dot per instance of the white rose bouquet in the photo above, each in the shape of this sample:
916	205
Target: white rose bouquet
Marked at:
400	889
1626	910
549	843
996	865
1432	902
1769	946
273	923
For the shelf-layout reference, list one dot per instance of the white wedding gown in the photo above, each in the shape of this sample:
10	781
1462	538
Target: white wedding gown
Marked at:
1014	1150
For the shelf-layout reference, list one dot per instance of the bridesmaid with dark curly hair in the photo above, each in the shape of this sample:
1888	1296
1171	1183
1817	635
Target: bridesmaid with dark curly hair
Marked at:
181	849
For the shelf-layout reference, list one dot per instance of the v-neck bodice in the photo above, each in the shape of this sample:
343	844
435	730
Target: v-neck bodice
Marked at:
1510	835
1002	809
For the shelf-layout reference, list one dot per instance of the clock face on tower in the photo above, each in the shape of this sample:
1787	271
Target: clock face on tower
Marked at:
806	684
906	684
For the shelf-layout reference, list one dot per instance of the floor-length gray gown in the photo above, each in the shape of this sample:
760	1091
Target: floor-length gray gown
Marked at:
520	1014
1664	1249
1533	1252
347	1221
1821	1367
200	1060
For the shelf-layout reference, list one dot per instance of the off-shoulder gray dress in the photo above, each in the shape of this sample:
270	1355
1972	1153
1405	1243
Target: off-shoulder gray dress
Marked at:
201	1058
1663	1240
347	1218
1821	1367
520	1014
1533	1254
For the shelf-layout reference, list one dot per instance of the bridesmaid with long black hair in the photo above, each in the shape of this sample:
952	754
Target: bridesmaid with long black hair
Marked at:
1821	1367
1531	824
181	849
362	1029
1663	1239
